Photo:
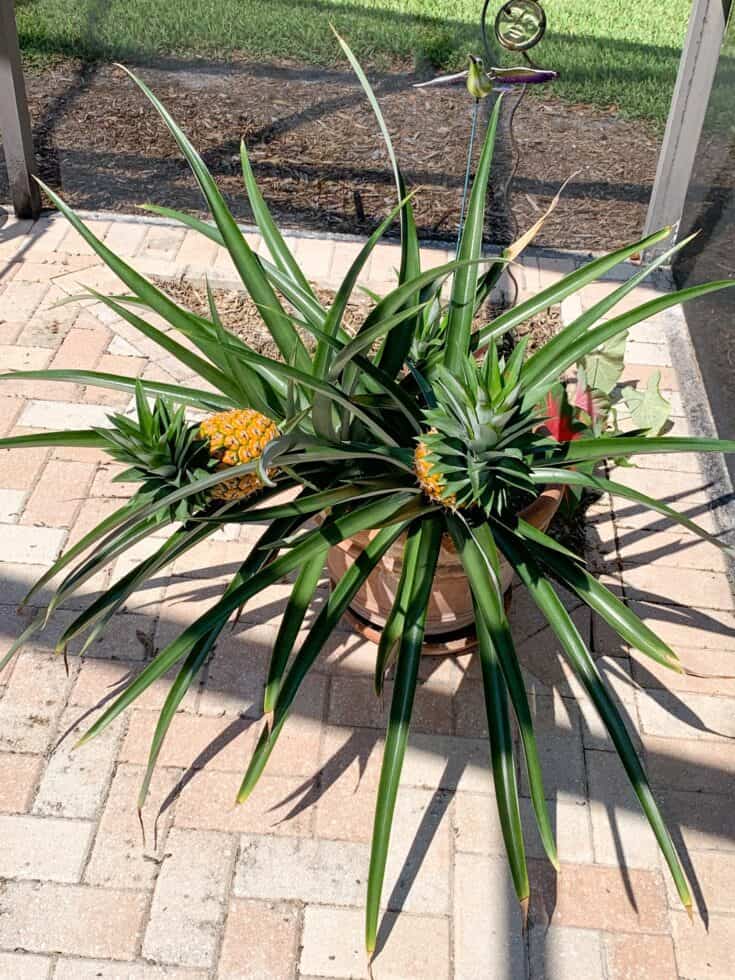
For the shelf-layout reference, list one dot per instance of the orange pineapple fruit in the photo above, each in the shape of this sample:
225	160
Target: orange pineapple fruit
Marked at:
430	478
237	436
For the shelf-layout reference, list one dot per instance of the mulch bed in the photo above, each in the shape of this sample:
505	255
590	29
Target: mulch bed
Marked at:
240	315
317	154
539	329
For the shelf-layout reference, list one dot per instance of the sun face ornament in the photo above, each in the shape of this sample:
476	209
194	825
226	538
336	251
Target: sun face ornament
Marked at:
520	25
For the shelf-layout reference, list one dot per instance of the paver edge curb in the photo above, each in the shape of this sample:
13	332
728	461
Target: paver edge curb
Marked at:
699	414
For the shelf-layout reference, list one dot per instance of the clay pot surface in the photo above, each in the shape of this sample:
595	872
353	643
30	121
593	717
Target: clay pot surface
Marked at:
450	605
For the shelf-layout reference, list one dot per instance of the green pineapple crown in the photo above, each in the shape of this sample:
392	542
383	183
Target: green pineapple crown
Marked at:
479	433
163	452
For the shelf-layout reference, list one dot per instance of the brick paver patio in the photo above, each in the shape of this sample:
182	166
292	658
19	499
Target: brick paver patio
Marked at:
276	889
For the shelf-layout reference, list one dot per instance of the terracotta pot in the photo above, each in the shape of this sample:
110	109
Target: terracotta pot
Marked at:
450	611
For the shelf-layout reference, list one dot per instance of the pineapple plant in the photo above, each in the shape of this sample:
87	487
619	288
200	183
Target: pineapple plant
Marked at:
395	432
473	453
164	451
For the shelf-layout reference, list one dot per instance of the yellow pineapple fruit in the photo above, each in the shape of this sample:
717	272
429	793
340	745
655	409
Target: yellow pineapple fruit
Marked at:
237	436
430	479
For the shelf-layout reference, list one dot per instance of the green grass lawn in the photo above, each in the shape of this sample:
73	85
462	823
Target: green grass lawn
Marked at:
609	52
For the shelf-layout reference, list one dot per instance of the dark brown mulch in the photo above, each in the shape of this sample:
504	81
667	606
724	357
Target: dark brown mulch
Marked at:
318	156
239	314
539	329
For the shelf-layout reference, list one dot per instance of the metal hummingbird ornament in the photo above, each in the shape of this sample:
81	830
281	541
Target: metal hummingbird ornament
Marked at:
519	26
481	81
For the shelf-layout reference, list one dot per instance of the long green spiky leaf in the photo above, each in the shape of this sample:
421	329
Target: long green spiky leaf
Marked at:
396	347
426	539
398	457
618	447
145	517
203	339
84	438
236	368
585	668
566	286
116	544
323	500
149	507
304	302
367	337
330	533
274	240
481	563
322	409
601	600
243	257
537	379
196	658
277	369
302	595
341	596
503	765
177	393
112	599
117	518
577	478
375	106
554	347
390	635
186	675
464	285
397	298
30	631
149	294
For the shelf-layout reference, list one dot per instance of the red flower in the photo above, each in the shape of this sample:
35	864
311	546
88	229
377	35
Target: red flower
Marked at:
560	420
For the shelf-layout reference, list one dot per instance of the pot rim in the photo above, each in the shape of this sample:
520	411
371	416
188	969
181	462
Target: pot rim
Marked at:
549	500
540	511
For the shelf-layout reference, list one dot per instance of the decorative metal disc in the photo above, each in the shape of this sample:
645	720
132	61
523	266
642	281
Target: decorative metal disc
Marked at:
520	24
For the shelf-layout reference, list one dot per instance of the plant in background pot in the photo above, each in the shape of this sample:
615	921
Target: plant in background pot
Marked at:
411	439
607	407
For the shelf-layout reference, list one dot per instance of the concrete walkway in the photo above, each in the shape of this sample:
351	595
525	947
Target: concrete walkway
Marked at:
276	889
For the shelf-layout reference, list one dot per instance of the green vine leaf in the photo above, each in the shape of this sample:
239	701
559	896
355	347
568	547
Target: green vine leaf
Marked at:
648	408
604	366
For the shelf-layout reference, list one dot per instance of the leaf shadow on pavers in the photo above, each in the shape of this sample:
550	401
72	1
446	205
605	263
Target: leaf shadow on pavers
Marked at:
78	719
668	547
435	811
693	814
226	736
694	504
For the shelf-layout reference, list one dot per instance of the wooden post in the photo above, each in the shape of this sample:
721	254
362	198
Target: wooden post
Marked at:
15	123
707	24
